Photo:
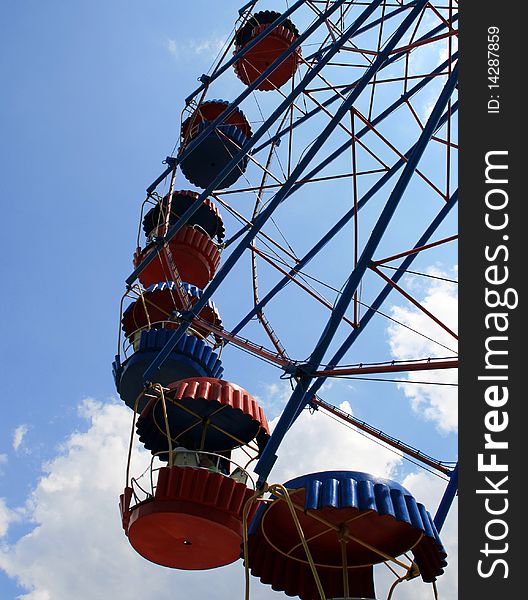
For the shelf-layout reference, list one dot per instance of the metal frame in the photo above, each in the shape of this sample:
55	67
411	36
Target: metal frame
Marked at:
301	394
312	374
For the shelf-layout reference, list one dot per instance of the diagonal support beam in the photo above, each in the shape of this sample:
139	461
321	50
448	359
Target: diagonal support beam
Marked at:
389	368
347	88
447	499
329	235
299	397
264	128
377	433
346	146
387	259
414	301
262	218
345	346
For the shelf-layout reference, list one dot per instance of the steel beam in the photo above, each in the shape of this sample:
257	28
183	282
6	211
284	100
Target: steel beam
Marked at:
298	398
378	434
262	218
388	368
278	21
447	499
329	235
372	310
263	128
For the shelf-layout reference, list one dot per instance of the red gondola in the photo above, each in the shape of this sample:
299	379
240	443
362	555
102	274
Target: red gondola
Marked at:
156	306
258	58
192	516
203	413
193	253
192	521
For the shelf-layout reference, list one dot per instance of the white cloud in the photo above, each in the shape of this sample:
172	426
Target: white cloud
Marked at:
172	47
5	517
18	436
208	48
275	397
38	595
436	403
317	442
428	104
425	59
77	547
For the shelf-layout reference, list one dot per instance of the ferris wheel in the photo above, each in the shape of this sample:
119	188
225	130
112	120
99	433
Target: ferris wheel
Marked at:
319	183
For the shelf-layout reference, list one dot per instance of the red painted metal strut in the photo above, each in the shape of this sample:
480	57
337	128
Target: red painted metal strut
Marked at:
175	275
429	365
318	297
414	45
243	343
380	435
413	251
413	301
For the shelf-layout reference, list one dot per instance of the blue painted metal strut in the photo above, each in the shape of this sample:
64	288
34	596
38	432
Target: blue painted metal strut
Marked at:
447	499
328	236
329	159
315	387
371	25
381	297
173	161
261	219
296	173
371	311
298	397
388	16
262	77
383	221
278	21
382	116
345	90
208	79
243	9
263	128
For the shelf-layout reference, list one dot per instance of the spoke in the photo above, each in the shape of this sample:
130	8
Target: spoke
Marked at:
342	167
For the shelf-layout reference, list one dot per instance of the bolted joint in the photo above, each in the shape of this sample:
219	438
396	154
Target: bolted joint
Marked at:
297	370
342	533
413	572
172	161
184	315
244	8
318	56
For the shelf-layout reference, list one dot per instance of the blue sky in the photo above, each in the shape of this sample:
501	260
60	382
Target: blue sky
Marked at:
92	94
